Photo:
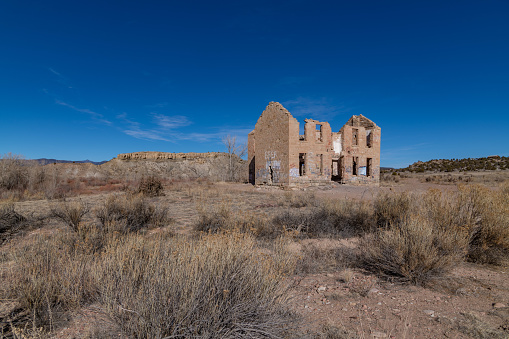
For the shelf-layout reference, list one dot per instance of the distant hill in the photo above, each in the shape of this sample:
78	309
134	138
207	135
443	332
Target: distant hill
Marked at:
490	163
44	161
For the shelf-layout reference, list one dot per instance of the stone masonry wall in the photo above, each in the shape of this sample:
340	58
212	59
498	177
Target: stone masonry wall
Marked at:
278	155
271	146
316	148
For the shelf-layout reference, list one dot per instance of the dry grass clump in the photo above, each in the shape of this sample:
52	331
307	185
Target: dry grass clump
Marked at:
331	218
391	207
10	220
214	287
70	212
489	229
423	236
223	219
151	186
155	286
53	274
413	250
297	200
130	213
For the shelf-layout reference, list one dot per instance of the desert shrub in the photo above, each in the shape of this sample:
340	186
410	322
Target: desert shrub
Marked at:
13	172
330	219
413	250
151	186
70	212
390	207
220	219
213	287
223	219
298	200
10	220
129	213
489	226
51	277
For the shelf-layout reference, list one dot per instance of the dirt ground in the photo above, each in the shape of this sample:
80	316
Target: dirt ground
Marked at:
337	302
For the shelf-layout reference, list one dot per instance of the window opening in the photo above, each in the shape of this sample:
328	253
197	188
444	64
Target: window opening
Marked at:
319	133
355	162
355	137
368	166
302	164
368	138
321	164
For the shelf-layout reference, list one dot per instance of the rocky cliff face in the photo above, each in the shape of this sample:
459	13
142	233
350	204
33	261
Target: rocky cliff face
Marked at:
168	156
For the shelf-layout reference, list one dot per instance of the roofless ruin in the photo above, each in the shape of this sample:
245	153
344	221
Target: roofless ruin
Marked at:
278	155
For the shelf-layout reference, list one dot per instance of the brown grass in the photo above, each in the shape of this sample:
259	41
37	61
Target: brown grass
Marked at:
330	218
130	213
70	212
216	286
424	236
413	250
151	186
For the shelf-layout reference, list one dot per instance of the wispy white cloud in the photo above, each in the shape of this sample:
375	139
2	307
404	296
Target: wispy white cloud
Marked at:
171	122
60	78
322	109
96	116
168	128
145	134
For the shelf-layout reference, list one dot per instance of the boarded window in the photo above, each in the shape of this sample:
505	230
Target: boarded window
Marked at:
302	164
355	136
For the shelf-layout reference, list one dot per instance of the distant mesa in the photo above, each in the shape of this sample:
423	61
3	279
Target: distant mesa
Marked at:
44	161
168	156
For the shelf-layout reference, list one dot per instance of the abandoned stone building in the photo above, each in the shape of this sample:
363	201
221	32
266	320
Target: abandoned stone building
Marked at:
279	155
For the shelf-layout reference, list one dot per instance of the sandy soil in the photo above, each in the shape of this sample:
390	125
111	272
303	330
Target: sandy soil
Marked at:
472	302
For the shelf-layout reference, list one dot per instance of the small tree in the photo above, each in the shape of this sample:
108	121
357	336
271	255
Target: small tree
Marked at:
234	151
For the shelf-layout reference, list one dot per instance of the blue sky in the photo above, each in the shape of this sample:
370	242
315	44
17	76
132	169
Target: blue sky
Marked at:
91	79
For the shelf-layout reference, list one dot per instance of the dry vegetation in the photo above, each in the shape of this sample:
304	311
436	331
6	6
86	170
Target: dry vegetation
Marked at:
233	266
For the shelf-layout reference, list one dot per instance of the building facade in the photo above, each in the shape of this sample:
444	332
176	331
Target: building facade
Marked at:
279	155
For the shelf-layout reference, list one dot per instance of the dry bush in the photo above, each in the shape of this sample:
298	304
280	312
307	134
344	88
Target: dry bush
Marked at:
130	213
489	229
224	219
413	250
332	218
391	207
219	219
52	276
10	220
13	172
70	212
297	200
151	186
214	287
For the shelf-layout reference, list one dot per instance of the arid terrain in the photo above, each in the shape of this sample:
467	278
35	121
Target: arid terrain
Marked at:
422	256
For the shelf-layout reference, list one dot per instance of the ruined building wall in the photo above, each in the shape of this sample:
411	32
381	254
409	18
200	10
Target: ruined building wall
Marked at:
310	156
271	146
278	155
360	155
